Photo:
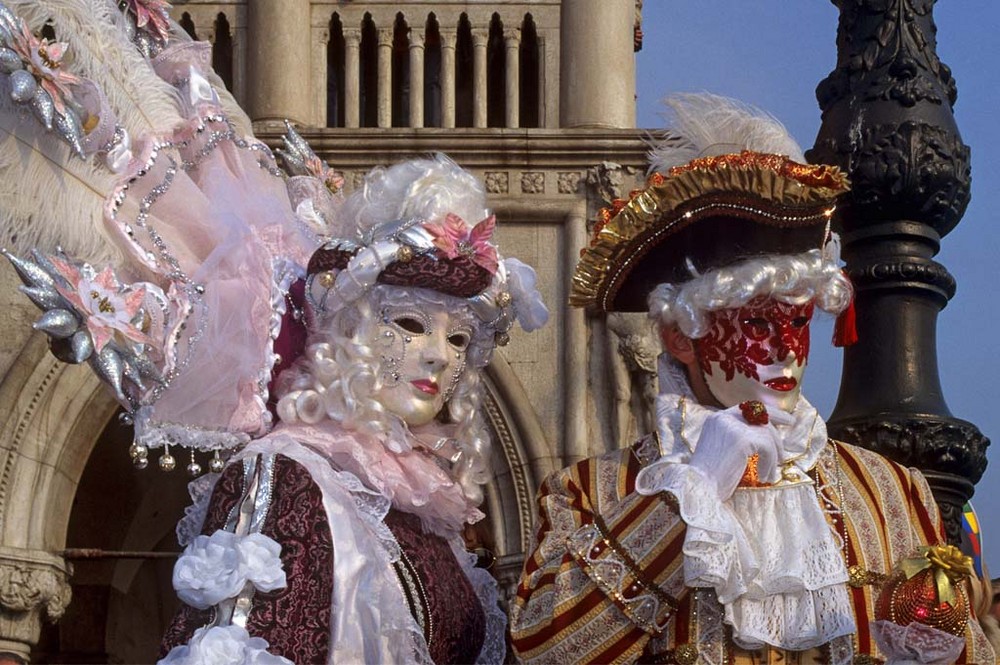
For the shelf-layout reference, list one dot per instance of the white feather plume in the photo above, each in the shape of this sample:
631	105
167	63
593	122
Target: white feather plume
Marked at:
703	124
101	51
48	196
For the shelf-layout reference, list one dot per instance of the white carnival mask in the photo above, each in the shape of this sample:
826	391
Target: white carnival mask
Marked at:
422	352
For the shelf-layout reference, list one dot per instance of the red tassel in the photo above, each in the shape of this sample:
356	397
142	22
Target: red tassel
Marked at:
845	331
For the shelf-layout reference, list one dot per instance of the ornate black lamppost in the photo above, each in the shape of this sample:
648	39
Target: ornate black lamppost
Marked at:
887	120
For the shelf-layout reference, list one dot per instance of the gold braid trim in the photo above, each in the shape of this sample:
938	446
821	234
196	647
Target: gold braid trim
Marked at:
769	188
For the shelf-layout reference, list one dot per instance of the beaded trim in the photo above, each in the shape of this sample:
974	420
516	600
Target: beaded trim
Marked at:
416	595
620	577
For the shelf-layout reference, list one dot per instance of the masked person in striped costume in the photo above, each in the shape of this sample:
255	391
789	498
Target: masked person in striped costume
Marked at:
738	532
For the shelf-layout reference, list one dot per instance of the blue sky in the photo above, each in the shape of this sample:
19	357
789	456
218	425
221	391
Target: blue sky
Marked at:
772	53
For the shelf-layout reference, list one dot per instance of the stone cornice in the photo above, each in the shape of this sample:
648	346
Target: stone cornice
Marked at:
474	148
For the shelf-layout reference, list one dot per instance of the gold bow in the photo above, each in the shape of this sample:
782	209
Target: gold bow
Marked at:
950	566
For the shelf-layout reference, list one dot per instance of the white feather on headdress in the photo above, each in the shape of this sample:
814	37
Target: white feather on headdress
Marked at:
100	50
48	196
703	124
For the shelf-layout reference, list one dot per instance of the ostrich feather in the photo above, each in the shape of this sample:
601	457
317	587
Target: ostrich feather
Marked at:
703	124
48	196
100	50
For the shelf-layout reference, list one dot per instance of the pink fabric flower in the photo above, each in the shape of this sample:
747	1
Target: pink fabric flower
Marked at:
44	60
454	238
319	169
107	307
151	16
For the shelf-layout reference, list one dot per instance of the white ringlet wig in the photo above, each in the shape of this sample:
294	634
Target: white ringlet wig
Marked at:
791	278
339	376
421	189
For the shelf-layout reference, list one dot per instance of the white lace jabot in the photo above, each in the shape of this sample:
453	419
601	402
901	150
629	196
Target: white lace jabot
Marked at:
769	552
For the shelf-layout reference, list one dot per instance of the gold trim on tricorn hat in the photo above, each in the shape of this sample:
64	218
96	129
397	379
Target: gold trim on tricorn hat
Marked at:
707	213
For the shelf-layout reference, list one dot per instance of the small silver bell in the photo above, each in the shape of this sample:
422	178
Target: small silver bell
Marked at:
167	462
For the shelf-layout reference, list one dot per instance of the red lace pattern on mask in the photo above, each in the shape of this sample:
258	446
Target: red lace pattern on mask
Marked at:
762	332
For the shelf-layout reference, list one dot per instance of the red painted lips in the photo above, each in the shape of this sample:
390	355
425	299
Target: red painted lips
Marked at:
782	384
428	386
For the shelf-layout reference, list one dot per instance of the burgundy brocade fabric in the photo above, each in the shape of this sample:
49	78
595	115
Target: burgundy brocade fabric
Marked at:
294	620
458	620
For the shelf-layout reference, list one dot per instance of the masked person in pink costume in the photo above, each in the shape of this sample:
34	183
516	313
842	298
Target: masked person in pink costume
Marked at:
331	533
738	532
347	517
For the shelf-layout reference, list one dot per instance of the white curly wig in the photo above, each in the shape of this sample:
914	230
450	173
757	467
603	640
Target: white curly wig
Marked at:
339	375
791	278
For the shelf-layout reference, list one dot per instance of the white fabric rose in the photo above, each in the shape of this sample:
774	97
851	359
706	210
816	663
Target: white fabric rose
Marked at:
260	558
209	570
223	645
214	568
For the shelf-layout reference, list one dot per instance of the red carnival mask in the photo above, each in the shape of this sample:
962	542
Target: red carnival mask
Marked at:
766	342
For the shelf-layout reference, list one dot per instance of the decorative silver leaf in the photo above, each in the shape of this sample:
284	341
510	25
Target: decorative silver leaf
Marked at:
42	297
68	126
43	107
58	323
10	61
22	86
108	366
30	273
82	346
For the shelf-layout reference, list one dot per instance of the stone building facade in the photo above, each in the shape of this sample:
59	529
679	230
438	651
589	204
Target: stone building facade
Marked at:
534	96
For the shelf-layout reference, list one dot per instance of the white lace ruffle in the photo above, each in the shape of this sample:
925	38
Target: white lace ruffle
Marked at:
200	490
217	567
223	645
717	553
768	553
916	644
159	434
494	648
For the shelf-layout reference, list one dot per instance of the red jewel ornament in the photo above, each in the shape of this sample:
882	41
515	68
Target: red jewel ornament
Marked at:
754	412
928	589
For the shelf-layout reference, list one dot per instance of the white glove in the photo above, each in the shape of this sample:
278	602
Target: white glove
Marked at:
727	441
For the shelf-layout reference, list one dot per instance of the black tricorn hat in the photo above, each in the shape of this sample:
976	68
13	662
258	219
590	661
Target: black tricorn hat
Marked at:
708	213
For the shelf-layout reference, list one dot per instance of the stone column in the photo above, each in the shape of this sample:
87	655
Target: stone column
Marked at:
574	360
480	38
448	39
384	93
512	43
352	77
321	39
416	78
240	65
276	47
888	121
597	84
33	586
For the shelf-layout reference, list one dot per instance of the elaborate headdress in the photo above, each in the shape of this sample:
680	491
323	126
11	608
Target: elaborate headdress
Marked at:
727	183
407	226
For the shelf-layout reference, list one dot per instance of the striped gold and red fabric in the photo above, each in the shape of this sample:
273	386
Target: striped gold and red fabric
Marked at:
605	582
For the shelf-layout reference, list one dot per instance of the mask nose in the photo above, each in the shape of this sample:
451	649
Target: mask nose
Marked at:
435	355
783	342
